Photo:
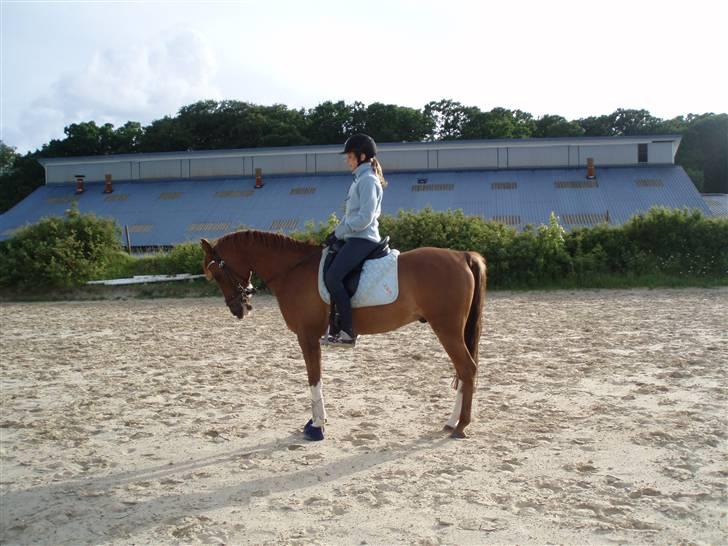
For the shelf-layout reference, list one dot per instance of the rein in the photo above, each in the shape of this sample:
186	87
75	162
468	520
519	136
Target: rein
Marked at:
246	290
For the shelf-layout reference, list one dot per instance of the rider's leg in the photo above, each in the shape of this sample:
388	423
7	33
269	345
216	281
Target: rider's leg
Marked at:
350	255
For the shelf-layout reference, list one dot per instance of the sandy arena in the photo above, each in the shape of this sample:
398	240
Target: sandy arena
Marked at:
600	418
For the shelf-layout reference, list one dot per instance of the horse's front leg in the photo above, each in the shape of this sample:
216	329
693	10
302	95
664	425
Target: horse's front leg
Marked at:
314	429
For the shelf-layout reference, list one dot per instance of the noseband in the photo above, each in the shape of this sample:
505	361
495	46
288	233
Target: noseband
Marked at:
244	289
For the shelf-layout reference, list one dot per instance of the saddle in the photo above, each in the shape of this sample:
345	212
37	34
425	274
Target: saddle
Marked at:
351	281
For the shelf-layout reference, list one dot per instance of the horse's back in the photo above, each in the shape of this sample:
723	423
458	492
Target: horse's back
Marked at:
438	272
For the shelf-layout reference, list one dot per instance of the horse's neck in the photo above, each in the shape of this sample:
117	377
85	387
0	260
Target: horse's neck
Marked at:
271	263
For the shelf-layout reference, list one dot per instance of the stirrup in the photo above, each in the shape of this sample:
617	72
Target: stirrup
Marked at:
342	339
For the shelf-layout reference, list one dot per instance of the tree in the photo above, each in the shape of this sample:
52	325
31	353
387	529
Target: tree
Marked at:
329	122
629	122
498	123
703	152
556	126
392	123
446	117
7	158
164	135
126	138
19	181
597	126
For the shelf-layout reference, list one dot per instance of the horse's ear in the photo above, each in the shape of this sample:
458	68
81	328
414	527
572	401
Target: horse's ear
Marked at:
206	246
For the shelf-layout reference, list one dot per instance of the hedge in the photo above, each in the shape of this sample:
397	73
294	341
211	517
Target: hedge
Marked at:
68	251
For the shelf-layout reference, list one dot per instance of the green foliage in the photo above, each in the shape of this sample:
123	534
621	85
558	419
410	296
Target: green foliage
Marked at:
316	233
659	248
556	126
58	251
662	244
183	258
7	157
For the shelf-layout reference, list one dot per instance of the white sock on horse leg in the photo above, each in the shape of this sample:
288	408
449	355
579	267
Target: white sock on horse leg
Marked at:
455	417
317	405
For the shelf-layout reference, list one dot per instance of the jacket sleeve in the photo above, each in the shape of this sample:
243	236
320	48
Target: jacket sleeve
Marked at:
368	201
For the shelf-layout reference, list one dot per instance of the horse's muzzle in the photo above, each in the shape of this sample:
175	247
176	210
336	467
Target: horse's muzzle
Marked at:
240	308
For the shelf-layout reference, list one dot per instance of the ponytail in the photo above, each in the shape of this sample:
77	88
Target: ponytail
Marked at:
377	167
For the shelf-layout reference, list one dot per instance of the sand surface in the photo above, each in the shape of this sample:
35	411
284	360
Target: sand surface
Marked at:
600	418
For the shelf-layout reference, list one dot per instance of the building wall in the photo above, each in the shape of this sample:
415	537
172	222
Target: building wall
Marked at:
149	170
660	152
93	172
315	161
224	166
553	156
280	164
467	159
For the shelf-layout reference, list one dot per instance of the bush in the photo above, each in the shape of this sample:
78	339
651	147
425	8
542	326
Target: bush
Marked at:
59	251
183	258
316	234
661	244
679	243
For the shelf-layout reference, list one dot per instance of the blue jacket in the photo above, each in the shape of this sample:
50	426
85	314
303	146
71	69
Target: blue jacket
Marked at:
363	206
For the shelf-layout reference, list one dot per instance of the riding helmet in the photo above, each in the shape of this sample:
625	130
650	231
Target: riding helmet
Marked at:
361	144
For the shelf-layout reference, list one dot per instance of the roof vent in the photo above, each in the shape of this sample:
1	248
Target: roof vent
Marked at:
289	223
575	184
509	220
504	185
586	218
302	191
209	227
433	187
170	195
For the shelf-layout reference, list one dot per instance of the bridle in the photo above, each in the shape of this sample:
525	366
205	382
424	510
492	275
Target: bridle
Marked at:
245	290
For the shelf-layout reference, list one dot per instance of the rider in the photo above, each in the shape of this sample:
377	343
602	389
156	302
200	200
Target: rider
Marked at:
359	229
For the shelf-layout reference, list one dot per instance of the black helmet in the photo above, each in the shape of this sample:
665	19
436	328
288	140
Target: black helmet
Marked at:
361	144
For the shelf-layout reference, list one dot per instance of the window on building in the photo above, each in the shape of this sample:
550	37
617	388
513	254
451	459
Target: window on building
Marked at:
642	153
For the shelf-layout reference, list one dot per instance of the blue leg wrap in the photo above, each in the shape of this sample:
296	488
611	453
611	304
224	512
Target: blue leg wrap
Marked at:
310	432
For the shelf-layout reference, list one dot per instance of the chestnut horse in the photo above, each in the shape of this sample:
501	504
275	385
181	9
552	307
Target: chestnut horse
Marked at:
445	288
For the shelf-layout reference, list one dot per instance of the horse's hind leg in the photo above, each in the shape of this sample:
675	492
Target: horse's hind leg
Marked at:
465	369
455	416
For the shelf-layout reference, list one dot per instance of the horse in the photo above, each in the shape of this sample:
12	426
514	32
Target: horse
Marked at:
445	288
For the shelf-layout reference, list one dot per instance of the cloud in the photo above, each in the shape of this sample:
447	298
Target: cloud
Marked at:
139	83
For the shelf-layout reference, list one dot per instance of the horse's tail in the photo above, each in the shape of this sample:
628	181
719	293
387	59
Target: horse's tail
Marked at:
473	325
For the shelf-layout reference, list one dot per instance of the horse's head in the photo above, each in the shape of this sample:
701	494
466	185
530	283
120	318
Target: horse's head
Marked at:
232	278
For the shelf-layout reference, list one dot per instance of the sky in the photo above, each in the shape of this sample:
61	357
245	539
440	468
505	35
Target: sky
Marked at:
66	62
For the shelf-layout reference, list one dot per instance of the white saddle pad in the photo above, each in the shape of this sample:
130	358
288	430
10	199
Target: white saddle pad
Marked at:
377	284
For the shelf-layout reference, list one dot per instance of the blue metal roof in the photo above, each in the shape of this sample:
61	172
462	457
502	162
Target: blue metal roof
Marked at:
161	213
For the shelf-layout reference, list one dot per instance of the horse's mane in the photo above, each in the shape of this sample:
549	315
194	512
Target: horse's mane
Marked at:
275	241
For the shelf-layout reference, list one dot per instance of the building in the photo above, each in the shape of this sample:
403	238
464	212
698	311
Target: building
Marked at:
168	198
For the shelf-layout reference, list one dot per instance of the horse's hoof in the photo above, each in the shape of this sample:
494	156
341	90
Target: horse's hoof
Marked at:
312	433
459	434
448	428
